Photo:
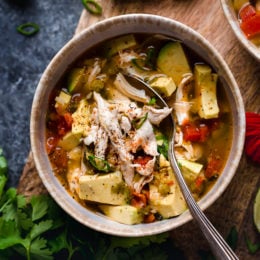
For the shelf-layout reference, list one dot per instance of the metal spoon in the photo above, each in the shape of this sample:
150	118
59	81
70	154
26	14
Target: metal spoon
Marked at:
218	245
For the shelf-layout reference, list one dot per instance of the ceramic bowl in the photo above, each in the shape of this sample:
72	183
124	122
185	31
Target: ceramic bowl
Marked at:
234	23
132	23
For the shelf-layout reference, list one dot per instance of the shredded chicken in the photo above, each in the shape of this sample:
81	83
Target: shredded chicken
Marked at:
108	120
182	110
144	137
91	135
181	105
94	71
156	115
181	93
116	139
143	180
146	169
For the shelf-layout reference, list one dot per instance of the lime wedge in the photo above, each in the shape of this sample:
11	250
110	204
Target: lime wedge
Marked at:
256	210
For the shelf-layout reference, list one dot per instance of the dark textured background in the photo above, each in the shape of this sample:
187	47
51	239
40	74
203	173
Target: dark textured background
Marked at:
22	62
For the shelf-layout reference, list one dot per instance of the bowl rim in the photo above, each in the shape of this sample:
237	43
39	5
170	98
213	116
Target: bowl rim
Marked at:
229	13
69	205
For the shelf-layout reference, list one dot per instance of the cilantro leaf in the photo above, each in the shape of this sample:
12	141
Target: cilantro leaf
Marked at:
40	228
3	164
3	171
39	206
59	242
23	220
3	180
39	248
232	238
252	248
21	201
8	205
9	234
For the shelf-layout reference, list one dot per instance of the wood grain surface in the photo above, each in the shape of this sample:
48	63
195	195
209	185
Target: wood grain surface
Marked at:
234	208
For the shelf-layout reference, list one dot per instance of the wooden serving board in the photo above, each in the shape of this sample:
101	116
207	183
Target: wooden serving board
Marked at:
234	208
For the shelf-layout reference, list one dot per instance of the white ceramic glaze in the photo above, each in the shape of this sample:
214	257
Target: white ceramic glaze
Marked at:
132	23
233	21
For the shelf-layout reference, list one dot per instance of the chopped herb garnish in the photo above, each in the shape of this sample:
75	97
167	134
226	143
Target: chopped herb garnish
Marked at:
137	123
162	145
252	248
92	6
28	29
232	238
150	57
152	101
99	163
140	64
3	172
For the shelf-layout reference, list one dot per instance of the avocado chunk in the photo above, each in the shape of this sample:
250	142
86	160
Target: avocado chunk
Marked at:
190	170
125	214
172	61
205	91
104	188
76	79
170	204
81	118
62	102
119	44
69	141
164	86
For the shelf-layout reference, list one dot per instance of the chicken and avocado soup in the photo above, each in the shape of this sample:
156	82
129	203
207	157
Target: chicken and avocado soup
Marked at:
107	140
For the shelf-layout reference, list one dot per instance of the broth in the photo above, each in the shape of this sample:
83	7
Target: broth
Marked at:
105	138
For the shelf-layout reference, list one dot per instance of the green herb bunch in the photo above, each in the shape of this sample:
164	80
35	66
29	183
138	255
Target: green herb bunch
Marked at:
37	228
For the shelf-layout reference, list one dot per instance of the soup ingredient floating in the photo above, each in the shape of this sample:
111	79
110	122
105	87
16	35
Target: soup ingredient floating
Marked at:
256	210
107	139
249	17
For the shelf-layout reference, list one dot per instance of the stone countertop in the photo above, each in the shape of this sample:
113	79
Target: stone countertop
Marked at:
23	60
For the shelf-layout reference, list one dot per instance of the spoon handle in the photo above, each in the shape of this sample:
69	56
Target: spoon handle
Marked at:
218	245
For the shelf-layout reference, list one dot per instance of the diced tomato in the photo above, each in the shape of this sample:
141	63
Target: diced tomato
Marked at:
139	200
199	182
170	183
252	26
149	218
143	160
246	12
63	124
191	133
68	119
195	133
